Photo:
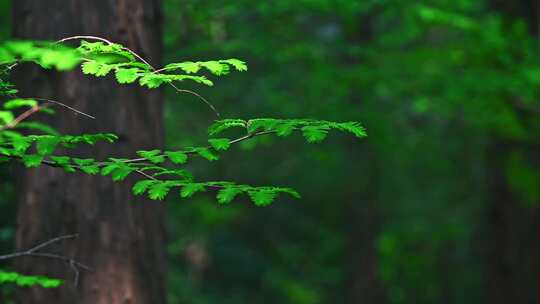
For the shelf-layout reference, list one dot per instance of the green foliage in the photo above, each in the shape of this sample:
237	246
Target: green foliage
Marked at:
16	144
523	179
153	156
27	281
177	157
101	59
218	68
35	144
17	103
152	162
220	144
314	131
260	196
46	54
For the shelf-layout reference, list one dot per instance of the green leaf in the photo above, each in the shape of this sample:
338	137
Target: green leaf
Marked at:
141	186
239	65
208	154
153	81
6	117
17	103
285	129
109	168
61	160
188	66
90	169
352	127
222	125
189	189
153	156
124	76
47	111
24	281
121	172
159	190
83	161
227	194
215	67
91	67
21	144
266	124
315	134
177	157
96	68
220	144
262	197
103	70
32	160
47	144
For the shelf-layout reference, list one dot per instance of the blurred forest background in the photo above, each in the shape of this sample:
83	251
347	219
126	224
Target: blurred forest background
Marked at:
438	205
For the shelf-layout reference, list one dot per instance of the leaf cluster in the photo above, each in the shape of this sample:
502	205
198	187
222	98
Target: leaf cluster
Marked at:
314	131
227	191
27	281
160	169
101	59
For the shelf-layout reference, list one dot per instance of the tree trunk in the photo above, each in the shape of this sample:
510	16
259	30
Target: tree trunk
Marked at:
121	237
510	245
363	225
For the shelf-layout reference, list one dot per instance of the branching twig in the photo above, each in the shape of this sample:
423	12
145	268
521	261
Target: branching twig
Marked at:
178	90
142	159
232	142
34	252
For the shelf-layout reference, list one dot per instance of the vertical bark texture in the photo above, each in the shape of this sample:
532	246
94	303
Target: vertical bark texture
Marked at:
121	237
511	245
363	218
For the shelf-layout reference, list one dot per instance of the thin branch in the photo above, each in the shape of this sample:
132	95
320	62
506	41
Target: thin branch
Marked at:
62	105
199	96
23	116
141	172
34	252
232	142
142	159
178	90
84	37
36	109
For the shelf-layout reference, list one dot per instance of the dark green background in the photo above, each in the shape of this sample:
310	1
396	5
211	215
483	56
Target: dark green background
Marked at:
448	92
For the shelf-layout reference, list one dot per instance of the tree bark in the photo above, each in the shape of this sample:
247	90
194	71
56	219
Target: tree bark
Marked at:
363	225
121	237
510	246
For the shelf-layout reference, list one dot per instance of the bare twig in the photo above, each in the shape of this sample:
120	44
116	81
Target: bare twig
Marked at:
211	106
35	109
62	105
141	172
23	116
34	252
84	37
